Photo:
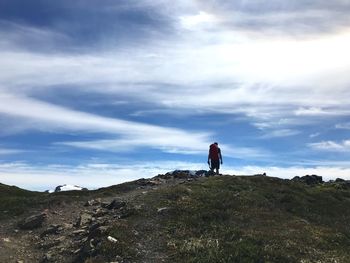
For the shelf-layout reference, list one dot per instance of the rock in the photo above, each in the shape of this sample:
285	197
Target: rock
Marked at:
52	229
115	204
32	222
201	173
112	239
84	219
93	202
100	213
98	232
50	244
79	232
6	240
48	257
163	210
309	179
339	180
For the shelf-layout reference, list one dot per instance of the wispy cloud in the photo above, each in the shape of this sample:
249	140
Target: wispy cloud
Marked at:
345	126
331	146
280	133
280	16
49	117
4	151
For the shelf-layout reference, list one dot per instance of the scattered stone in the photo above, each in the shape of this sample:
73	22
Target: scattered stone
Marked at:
112	239
48	257
84	219
100	212
6	240
116	204
79	232
32	222
93	202
201	173
163	210
52	229
154	182
49	244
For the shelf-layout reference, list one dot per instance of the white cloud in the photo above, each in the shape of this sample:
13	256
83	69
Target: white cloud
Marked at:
194	21
174	147
280	133
345	126
313	135
266	79
4	151
51	117
331	146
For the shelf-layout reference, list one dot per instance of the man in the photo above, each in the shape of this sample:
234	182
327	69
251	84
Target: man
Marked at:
214	157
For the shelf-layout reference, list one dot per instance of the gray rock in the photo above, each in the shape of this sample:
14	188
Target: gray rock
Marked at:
32	222
52	229
309	179
84	219
116	204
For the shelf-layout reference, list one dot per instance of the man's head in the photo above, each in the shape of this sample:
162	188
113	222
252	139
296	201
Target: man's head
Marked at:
216	143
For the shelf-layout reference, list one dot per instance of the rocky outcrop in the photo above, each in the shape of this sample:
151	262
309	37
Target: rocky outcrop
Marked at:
32	222
309	179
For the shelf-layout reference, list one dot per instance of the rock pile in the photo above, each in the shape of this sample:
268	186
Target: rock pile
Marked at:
80	239
309	179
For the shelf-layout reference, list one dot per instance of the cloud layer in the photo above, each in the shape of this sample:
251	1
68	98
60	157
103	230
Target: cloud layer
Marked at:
268	80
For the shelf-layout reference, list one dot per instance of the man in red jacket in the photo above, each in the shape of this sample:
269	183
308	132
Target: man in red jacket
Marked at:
214	157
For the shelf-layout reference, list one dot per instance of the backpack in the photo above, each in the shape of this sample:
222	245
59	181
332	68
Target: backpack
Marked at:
214	152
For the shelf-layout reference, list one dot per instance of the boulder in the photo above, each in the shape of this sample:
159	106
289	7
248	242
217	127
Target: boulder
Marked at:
32	222
339	180
309	179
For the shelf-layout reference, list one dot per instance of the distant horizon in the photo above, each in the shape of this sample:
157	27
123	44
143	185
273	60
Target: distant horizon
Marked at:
248	172
99	93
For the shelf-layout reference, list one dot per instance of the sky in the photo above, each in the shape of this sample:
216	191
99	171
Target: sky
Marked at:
96	93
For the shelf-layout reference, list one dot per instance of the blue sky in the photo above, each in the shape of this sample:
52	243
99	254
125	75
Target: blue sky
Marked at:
96	93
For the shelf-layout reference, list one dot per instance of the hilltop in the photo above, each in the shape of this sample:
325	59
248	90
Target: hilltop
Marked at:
180	218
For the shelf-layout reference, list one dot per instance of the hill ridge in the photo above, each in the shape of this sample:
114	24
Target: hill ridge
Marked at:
176	217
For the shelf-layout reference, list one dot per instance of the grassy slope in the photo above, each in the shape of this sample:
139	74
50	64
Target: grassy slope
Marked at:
219	219
239	219
14	201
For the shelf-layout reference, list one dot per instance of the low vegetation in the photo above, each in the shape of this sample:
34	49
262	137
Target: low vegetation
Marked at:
220	219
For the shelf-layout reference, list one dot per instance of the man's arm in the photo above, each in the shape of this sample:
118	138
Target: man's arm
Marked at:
220	156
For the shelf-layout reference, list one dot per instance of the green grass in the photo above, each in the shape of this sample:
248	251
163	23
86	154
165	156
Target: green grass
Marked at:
220	219
15	201
254	219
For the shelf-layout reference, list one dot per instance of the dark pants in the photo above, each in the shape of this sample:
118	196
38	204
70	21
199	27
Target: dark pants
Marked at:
215	164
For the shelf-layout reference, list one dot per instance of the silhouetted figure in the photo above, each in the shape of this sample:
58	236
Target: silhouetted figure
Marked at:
214	157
